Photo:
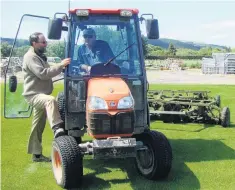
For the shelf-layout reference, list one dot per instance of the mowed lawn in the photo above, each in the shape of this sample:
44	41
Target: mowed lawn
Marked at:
204	155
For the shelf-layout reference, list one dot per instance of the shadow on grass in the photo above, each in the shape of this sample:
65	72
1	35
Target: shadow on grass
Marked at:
180	174
189	125
205	126
180	177
232	125
92	181
176	128
197	150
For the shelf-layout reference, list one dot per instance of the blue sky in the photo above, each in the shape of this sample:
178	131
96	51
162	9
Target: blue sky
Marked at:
198	21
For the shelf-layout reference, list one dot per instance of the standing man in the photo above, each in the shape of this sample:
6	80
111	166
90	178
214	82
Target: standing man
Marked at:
37	89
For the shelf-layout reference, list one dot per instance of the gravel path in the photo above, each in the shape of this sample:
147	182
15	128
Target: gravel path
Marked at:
188	77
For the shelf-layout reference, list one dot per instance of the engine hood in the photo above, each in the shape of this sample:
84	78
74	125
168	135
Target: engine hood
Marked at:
108	88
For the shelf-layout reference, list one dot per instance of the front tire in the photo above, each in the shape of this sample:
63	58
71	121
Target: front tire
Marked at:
154	162
67	162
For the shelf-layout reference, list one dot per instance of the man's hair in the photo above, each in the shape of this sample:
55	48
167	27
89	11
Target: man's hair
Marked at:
34	37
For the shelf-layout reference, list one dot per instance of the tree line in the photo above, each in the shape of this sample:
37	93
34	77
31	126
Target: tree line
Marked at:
152	51
56	49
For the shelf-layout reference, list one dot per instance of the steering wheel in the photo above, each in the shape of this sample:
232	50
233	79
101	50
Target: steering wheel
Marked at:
76	70
101	69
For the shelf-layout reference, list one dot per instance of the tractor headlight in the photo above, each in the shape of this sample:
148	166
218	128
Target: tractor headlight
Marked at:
97	103
126	13
82	12
126	102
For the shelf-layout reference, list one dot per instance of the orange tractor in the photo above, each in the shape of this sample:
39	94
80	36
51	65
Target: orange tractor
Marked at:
109	102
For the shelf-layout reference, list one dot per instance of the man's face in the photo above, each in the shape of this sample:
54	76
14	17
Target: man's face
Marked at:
41	45
89	40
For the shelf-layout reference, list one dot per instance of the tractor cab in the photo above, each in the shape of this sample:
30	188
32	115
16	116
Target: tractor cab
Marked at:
104	90
116	35
116	54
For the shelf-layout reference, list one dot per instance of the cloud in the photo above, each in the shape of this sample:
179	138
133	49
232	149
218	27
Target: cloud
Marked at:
219	36
169	36
219	32
220	25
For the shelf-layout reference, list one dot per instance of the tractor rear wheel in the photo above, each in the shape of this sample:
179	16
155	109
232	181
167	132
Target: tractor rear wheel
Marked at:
155	161
61	105
67	162
225	117
217	100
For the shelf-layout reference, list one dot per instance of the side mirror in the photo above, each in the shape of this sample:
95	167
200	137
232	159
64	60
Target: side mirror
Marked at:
152	28
12	83
55	28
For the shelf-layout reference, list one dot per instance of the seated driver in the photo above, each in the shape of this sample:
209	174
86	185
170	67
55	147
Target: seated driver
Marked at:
93	51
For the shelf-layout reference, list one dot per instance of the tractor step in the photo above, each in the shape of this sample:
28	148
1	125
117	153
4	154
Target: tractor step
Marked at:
111	148
114	148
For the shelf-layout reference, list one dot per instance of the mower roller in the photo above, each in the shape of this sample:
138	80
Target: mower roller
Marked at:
174	106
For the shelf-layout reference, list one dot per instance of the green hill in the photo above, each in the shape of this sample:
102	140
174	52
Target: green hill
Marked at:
11	41
163	43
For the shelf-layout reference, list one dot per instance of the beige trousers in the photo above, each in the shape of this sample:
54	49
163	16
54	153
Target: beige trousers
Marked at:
44	106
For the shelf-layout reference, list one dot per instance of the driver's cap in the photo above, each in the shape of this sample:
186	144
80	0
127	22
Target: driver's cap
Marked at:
89	31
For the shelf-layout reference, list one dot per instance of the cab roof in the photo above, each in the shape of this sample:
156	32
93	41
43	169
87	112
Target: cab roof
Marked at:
105	11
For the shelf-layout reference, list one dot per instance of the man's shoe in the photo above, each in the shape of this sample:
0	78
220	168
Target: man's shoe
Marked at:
40	158
59	132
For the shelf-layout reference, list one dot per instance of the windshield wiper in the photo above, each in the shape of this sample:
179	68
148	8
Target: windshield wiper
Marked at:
118	54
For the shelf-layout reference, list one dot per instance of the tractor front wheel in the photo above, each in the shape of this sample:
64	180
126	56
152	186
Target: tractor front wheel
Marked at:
67	162
154	160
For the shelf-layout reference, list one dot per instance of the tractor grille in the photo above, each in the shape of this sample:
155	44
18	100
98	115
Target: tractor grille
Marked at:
124	123
99	123
102	123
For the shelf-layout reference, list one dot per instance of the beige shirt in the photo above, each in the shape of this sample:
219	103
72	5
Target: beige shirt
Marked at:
38	74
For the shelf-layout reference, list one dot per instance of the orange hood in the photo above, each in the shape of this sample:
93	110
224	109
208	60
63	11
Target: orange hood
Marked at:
108	88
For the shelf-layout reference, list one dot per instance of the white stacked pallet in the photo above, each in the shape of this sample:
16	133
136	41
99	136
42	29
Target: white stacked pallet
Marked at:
208	65
220	63
230	63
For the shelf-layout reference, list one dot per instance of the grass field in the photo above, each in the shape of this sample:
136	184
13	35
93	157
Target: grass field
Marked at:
204	155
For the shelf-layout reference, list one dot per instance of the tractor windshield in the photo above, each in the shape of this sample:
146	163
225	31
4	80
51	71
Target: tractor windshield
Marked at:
98	39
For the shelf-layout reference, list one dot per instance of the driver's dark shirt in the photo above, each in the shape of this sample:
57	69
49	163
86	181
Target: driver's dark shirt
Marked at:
100	53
